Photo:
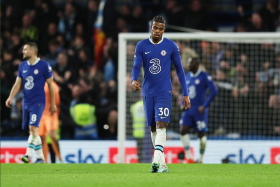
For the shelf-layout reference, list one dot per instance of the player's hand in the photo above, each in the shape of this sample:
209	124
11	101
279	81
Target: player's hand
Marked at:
9	102
201	109
53	109
135	85
187	102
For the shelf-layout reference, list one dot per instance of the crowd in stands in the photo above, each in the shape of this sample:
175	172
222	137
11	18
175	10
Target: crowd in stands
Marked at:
66	35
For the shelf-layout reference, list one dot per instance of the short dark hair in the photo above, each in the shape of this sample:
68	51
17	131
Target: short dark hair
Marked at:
33	46
159	19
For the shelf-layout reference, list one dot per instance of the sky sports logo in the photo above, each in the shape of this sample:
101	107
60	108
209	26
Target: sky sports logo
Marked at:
275	155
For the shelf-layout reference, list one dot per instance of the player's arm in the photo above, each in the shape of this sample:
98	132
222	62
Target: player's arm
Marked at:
136	67
53	108
213	92
14	91
176	58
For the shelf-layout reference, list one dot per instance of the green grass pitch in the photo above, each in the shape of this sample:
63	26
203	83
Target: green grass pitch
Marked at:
130	175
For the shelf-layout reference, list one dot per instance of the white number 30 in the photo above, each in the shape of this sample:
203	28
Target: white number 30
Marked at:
164	111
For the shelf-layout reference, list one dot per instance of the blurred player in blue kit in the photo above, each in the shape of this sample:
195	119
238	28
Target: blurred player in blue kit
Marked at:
157	54
32	74
197	116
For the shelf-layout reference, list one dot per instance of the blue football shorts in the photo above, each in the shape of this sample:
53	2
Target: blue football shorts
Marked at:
32	115
157	109
197	121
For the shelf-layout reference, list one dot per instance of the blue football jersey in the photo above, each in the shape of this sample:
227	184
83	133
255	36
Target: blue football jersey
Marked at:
157	59
198	84
34	78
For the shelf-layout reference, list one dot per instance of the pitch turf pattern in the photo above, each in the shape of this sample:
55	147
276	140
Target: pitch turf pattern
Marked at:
122	175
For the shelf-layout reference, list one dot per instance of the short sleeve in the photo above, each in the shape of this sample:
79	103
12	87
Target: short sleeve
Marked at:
48	72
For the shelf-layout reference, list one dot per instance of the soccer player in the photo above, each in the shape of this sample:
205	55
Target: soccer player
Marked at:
157	53
197	117
49	124
33	73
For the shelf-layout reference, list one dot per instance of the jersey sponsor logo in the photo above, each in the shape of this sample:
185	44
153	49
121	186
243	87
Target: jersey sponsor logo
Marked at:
155	68
36	71
50	68
197	81
147	52
209	78
163	53
192	92
24	71
29	83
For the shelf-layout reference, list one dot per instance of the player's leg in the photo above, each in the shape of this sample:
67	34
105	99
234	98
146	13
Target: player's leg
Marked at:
153	134
150	117
25	122
162	116
52	127
202	143
42	131
36	143
45	148
185	139
186	123
202	127
35	115
55	144
159	146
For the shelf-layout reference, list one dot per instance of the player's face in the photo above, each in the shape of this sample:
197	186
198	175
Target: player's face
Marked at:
26	52
157	30
192	65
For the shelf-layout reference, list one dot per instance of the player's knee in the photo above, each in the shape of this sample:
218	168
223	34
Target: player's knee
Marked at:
184	130
161	124
52	134
201	135
33	130
43	139
153	128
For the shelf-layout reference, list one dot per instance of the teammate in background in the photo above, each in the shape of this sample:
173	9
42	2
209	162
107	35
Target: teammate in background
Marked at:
33	73
197	117
49	124
157	54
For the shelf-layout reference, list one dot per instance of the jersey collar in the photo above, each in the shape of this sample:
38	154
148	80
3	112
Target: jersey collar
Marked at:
150	38
196	74
34	63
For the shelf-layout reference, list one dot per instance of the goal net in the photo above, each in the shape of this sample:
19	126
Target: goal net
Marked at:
246	71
